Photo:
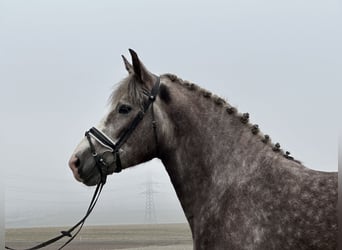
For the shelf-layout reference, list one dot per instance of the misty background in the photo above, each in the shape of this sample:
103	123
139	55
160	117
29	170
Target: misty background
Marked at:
278	60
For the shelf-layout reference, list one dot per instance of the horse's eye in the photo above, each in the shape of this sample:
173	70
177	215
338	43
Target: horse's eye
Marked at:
124	109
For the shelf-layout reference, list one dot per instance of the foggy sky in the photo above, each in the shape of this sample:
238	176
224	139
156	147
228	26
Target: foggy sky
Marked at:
278	60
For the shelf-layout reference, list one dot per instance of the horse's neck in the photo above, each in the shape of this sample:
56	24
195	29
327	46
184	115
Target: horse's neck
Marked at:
210	151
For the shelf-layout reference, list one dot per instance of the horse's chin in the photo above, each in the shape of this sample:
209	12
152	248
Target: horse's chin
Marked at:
94	177
92	180
88	175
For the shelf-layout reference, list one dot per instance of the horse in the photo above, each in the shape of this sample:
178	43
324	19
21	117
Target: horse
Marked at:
237	188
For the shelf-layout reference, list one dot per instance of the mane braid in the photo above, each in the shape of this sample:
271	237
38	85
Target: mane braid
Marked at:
244	117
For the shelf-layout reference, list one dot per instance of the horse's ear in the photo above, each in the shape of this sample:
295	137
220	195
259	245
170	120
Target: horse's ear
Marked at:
142	74
128	66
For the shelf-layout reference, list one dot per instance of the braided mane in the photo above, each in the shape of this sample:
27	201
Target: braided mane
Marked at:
243	117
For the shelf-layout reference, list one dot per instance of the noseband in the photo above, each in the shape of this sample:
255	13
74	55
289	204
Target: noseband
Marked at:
101	160
107	158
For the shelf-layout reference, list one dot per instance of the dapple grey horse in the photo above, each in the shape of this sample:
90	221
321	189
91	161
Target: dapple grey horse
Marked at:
238	190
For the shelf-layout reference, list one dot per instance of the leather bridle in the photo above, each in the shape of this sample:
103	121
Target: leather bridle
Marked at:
102	163
101	160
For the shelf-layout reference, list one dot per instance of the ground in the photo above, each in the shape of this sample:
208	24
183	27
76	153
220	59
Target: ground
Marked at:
133	237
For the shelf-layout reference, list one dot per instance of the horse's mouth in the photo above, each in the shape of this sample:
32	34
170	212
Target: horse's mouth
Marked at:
88	173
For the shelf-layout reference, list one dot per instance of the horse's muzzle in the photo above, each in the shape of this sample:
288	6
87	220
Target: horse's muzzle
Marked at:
74	163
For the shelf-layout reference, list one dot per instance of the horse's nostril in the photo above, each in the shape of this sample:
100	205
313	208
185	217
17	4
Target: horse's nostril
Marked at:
74	162
77	162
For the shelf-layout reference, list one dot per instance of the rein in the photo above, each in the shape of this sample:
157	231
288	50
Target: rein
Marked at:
102	163
78	225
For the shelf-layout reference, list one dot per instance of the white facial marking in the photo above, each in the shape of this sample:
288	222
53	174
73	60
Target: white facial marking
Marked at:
83	145
107	131
101	124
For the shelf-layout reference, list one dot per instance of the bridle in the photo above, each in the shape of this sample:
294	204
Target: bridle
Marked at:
101	160
102	163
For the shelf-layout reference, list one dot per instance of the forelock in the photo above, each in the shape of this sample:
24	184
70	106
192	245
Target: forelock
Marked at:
129	90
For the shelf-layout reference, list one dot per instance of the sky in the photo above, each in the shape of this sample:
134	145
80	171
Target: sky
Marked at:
60	60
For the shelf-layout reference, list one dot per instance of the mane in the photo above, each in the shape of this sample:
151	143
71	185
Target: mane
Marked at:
136	96
243	117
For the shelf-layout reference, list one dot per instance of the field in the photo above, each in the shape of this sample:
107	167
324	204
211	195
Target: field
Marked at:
133	237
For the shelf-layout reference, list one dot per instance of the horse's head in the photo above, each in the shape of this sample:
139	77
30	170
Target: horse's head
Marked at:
129	134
